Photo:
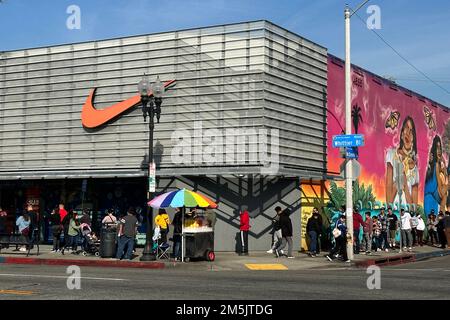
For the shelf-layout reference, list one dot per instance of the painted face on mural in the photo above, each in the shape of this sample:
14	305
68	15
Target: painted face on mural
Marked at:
408	136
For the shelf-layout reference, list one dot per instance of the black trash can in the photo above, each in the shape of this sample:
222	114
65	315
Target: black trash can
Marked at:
108	242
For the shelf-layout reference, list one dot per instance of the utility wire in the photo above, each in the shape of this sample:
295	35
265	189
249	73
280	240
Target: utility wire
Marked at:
403	58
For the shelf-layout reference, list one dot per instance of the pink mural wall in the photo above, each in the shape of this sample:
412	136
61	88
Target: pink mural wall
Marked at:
399	126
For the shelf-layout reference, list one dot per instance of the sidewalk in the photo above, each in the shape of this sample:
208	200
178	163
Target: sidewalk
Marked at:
225	261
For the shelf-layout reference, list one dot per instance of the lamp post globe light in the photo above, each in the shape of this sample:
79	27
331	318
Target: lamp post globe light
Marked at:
151	100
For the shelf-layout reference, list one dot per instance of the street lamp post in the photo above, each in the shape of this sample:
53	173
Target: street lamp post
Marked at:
151	99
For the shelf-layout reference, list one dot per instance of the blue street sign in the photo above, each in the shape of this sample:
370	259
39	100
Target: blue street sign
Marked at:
351	153
348	140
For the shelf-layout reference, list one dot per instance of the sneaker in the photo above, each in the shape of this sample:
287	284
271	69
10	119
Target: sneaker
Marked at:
282	252
313	255
378	250
347	261
290	257
404	248
368	253
277	254
53	251
270	251
329	258
409	249
387	250
22	249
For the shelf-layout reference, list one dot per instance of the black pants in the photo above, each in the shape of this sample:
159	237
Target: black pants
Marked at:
244	241
414	236
56	233
442	238
164	233
340	247
432	235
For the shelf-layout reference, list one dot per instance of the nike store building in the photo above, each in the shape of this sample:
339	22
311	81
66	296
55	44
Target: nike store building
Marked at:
243	122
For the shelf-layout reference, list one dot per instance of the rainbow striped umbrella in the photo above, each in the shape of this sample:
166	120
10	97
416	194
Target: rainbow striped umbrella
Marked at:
182	198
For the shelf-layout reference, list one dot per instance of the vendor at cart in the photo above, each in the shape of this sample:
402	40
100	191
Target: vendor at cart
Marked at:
162	221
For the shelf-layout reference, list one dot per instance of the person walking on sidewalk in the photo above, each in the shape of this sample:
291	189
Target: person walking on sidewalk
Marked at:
340	234
367	233
393	227
406	230
56	227
286	232
276	230
23	224
357	222
127	232
65	220
313	229
244	222
3	219
420	229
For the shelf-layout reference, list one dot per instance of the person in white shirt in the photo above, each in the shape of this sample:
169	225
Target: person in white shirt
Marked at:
406	230
420	229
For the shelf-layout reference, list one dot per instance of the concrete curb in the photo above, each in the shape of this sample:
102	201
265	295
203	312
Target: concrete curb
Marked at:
400	258
82	263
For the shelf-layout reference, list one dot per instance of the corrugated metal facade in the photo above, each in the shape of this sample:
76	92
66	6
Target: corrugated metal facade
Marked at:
249	75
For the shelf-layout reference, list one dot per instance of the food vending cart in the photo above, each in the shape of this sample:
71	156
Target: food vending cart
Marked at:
198	238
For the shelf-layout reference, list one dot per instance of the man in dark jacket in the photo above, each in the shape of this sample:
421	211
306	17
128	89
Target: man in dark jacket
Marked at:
276	230
447	227
313	229
286	232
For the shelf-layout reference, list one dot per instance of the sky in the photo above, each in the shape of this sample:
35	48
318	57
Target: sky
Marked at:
418	29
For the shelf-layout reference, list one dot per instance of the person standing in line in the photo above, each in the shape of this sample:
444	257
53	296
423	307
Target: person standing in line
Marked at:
420	230
162	221
109	221
313	229
341	240
72	233
447	227
432	230
406	230
376	233
367	233
177	223
3	218
127	232
244	222
286	232
441	230
276	230
34	225
393	226
414	223
382	218
357	222
65	220
56	227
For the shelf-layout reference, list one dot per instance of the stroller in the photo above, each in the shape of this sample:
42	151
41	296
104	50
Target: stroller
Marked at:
91	245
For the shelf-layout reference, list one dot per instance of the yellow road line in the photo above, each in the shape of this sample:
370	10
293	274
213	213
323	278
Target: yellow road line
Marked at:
261	266
17	292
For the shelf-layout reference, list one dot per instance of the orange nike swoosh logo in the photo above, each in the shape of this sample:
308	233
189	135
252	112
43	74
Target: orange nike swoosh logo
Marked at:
92	118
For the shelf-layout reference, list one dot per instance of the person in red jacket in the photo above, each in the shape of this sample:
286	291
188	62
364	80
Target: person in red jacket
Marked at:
357	223
244	227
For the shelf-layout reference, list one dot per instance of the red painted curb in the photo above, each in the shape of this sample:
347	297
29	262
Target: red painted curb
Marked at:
385	261
84	263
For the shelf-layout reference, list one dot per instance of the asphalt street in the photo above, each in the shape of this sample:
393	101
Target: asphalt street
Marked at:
420	280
